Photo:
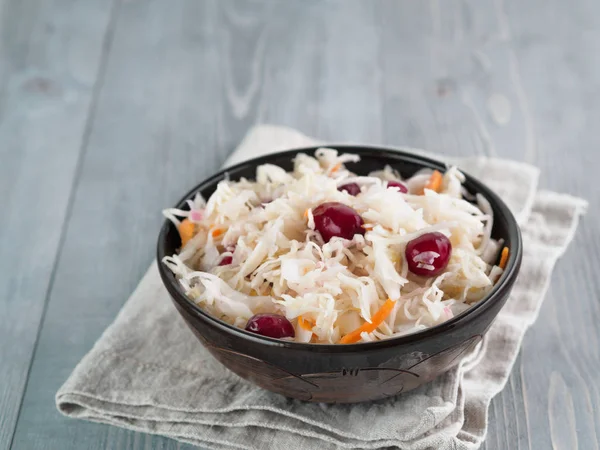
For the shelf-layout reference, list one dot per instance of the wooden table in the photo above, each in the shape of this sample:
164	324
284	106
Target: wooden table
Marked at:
110	109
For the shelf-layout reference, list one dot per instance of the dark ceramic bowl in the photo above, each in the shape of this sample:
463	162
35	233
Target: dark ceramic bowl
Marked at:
356	372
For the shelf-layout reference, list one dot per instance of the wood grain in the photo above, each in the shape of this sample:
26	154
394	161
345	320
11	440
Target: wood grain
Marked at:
182	83
49	54
155	131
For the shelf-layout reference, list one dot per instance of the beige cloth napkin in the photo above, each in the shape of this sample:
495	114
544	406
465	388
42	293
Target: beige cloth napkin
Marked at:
149	373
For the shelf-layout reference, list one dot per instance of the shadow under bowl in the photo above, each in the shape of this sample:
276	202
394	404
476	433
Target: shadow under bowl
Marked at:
356	372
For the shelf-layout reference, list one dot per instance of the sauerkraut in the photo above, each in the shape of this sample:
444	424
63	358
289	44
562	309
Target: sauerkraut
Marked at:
253	248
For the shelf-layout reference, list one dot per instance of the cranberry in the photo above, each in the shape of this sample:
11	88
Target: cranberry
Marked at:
270	325
335	219
396	184
226	261
351	188
428	255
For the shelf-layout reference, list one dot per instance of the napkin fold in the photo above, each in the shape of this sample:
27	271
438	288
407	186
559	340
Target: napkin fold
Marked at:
149	373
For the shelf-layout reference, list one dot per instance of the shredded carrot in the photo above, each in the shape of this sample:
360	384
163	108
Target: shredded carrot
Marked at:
335	168
306	213
503	258
304	324
186	231
216	232
376	320
435	182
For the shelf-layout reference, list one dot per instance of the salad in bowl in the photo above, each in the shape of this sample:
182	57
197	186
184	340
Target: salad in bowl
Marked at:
321	255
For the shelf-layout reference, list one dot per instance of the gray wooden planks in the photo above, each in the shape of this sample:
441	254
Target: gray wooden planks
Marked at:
49	53
155	131
185	80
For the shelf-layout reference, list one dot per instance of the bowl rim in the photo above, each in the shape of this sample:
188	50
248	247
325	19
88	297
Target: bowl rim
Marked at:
388	155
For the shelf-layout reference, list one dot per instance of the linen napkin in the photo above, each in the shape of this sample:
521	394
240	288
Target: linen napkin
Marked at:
149	373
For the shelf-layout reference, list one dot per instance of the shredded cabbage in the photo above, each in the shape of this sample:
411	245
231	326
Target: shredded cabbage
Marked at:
280	264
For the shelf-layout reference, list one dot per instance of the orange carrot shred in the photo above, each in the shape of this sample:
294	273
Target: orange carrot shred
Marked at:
216	232
435	182
376	320
304	324
186	231
335	168
306	212
503	258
